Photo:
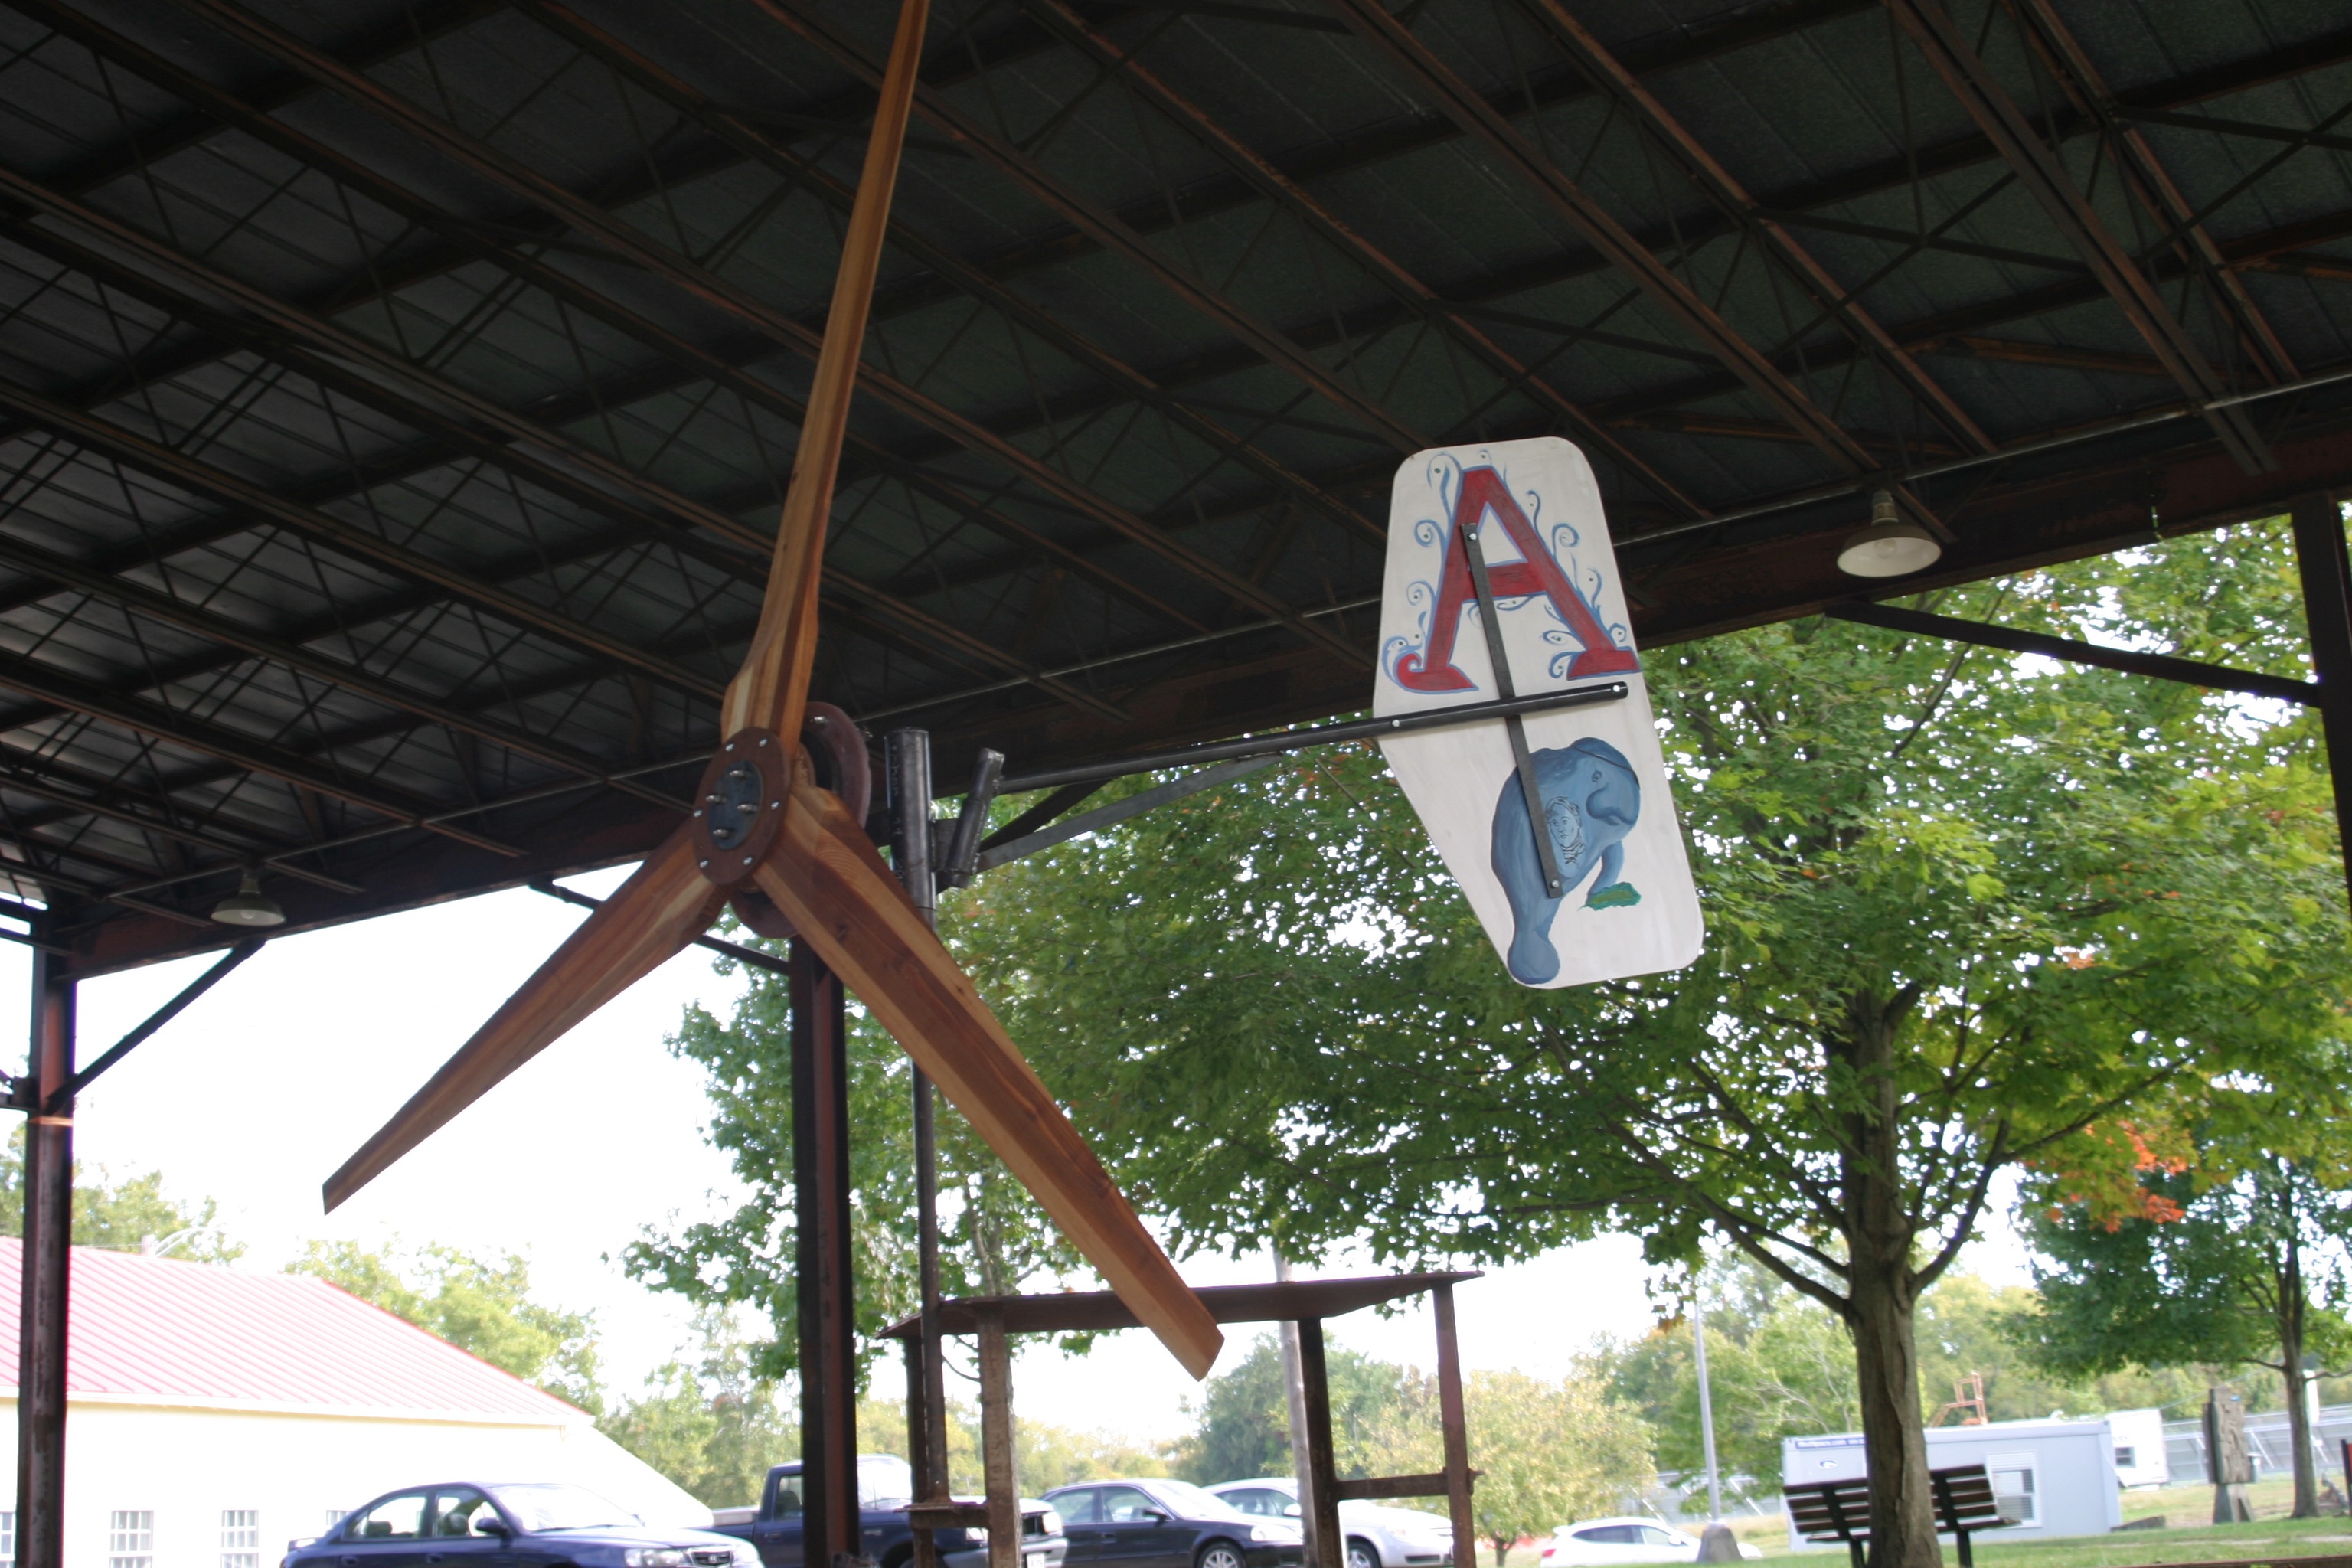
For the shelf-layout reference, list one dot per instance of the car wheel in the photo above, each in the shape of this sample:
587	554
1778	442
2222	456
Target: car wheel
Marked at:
1220	1554
1361	1553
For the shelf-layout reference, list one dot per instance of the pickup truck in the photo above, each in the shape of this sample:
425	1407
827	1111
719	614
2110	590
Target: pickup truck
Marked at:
885	1484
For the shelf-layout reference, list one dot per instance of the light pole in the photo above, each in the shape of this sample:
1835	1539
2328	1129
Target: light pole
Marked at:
1706	1407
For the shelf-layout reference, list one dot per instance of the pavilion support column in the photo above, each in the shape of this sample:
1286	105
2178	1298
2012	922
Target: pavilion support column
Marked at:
827	1301
2319	553
1000	1475
48	1232
1294	1380
1454	1429
1320	1506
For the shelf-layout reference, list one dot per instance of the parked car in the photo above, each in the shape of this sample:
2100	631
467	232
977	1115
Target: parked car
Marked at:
1596	1542
884	1485
1379	1536
520	1524
1168	1524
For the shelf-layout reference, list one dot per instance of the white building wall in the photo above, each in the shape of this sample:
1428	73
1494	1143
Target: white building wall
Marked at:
2140	1434
189	1466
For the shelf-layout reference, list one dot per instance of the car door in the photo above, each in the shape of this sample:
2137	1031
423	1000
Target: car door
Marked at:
1606	1543
451	1540
779	1530
1659	1544
1138	1532
389	1534
1082	1526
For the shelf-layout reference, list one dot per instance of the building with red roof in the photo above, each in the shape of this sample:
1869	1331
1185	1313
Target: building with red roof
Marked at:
214	1415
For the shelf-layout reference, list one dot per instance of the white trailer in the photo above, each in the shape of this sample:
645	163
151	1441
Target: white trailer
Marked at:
2055	1477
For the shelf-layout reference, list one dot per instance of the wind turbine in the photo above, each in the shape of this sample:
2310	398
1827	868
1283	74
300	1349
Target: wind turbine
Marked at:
763	827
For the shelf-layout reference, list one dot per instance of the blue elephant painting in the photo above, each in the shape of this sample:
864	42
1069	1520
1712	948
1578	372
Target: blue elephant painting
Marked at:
1591	799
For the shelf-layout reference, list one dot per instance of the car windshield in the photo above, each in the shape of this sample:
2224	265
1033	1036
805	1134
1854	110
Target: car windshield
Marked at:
554	1505
1191	1502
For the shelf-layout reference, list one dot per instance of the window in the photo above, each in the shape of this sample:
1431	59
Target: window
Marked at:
455	1511
1612	1535
2126	1459
335	1517
1078	1507
240	1538
131	1539
2014	1491
398	1518
7	1535
1651	1536
1263	1500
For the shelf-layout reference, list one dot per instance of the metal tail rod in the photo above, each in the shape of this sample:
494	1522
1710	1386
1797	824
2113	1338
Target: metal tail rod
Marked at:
1247	755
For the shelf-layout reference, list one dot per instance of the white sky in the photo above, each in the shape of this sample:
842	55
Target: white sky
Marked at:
259	1090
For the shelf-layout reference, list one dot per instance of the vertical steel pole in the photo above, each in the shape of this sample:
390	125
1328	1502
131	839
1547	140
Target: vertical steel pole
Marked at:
2320	555
1321	1503
997	1458
1453	1423
827	1289
1294	1380
48	1233
907	764
1705	1406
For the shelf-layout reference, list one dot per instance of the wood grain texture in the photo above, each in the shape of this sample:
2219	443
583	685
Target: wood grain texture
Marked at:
772	689
656	913
825	875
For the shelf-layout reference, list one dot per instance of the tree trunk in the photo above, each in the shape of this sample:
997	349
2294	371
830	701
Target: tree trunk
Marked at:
1882	1296
2290	1308
1502	1549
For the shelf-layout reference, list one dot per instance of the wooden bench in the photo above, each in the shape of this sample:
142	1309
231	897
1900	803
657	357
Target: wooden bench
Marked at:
1839	1510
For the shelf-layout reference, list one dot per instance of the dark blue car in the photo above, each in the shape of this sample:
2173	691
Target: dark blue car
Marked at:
523	1525
1167	1524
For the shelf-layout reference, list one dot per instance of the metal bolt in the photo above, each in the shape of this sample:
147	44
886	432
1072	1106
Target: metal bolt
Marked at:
776	806
749	808
704	864
746	860
730	745
763	740
698	811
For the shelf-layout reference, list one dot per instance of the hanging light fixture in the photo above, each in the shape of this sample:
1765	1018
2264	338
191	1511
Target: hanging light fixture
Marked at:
1890	546
248	906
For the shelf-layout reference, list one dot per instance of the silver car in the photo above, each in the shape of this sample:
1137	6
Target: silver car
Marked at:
1379	1534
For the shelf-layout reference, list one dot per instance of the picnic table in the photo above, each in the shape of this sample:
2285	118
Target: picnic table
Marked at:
1839	1510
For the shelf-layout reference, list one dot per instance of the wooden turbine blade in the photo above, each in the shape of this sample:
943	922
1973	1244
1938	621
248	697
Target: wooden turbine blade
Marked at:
770	691
658	912
824	874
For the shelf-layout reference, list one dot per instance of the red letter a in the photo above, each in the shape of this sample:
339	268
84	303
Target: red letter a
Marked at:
1433	667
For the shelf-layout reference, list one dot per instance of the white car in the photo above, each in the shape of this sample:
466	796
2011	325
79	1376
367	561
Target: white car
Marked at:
1379	1536
1597	1542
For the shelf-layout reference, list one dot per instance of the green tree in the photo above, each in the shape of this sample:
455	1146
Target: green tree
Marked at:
1546	1453
483	1308
1244	1416
713	1426
134	1215
995	1237
1958	906
2245	1261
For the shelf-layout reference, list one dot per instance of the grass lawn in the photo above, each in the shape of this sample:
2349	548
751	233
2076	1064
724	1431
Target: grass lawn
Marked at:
2186	1538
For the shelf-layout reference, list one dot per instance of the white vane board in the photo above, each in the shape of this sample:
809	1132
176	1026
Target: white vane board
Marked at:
1629	906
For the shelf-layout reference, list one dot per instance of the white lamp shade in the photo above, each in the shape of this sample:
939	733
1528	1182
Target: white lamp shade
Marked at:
1889	549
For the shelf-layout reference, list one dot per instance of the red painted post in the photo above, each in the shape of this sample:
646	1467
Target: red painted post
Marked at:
48	1231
